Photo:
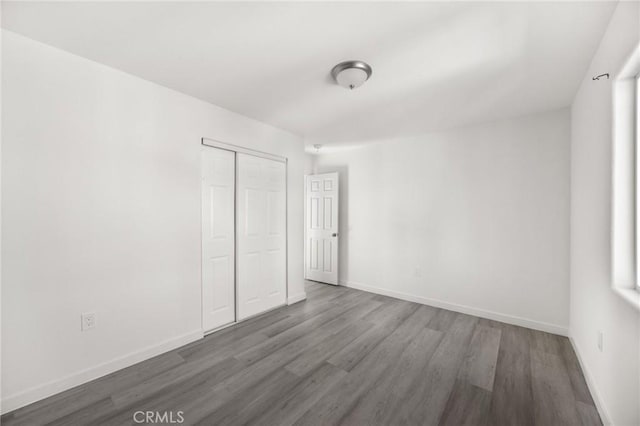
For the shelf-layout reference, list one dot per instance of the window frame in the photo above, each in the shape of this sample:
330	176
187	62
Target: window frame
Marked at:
625	214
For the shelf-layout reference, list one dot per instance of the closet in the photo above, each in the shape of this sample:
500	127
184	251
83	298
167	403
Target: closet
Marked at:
244	245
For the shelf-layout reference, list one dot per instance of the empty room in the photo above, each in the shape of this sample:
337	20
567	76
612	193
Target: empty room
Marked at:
320	213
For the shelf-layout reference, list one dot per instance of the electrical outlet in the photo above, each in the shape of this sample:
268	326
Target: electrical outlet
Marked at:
88	321
600	341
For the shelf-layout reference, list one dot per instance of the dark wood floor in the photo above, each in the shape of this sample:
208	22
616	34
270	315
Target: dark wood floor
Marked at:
343	357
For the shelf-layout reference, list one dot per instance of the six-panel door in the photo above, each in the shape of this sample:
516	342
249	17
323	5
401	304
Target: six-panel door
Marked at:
261	234
218	238
321	247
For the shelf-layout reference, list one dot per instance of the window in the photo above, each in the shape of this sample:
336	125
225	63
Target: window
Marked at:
626	181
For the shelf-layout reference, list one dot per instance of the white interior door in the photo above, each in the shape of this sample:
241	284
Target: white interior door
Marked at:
261	234
218	238
321	211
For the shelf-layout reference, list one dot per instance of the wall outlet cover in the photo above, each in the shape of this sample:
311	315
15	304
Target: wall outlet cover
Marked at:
88	321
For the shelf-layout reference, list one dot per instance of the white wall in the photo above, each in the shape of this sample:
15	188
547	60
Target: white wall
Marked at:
472	219
1	36
614	373
310	164
101	213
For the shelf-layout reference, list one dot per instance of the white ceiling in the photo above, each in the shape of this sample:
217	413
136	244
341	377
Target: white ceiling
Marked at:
435	65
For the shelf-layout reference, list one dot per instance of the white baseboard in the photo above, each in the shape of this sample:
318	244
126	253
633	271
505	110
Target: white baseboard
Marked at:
496	316
591	384
36	393
297	298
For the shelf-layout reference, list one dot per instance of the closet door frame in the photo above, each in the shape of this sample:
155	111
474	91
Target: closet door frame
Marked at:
207	142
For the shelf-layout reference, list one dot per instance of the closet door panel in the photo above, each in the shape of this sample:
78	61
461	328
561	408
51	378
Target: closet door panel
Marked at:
276	236
261	234
218	238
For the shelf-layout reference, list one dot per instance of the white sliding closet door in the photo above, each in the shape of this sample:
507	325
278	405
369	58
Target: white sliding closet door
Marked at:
218	238
261	234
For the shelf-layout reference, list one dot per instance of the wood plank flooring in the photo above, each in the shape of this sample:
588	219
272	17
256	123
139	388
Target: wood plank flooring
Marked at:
342	357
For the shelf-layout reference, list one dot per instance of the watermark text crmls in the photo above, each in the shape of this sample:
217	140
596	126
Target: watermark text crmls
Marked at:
158	417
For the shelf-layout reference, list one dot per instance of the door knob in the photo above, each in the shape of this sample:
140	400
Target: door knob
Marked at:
334	234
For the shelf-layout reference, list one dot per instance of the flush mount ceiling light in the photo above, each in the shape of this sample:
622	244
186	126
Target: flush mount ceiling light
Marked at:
351	74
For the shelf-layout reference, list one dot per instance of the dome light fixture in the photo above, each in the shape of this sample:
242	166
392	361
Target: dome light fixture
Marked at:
351	74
